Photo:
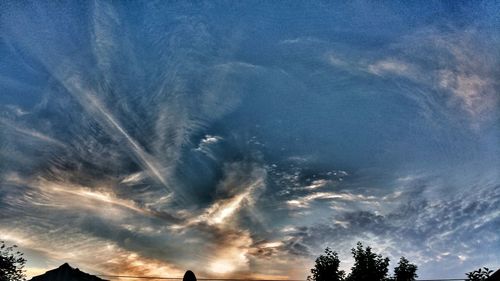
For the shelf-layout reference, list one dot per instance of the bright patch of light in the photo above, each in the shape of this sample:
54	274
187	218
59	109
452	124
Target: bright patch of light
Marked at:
222	266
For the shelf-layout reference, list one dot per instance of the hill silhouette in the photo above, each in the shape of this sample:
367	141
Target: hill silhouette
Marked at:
66	273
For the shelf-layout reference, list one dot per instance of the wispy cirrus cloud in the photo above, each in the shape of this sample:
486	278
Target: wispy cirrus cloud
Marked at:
83	212
286	136
427	227
454	64
460	68
31	133
391	66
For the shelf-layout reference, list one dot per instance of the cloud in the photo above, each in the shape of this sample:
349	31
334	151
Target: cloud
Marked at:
317	184
125	115
115	94
89	254
205	145
390	66
456	63
449	70
31	133
122	143
336	61
301	40
210	139
421	226
475	94
304	202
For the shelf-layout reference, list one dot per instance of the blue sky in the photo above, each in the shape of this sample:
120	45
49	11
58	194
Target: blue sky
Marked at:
241	139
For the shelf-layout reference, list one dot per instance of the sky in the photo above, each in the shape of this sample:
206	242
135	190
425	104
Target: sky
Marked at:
241	138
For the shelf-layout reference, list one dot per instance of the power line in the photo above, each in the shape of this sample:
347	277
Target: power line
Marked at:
241	279
208	279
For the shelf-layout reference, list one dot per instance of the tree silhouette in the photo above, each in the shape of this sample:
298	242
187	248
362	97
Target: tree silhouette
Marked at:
405	271
368	266
479	275
326	268
11	263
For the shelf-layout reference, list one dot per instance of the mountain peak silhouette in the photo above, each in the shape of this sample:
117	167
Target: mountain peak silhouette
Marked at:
66	273
65	266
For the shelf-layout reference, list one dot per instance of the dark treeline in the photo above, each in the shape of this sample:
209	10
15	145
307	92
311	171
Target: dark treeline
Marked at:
367	266
370	266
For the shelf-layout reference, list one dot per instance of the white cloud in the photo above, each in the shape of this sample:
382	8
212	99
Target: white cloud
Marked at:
304	202
475	94
301	40
238	193
206	142
391	66
31	133
317	184
209	139
133	178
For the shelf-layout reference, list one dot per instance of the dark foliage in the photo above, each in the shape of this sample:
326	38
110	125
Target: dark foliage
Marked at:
327	268
11	263
479	275
368	266
405	271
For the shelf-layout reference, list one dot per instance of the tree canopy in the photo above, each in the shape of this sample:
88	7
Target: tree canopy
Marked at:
405	271
480	274
326	268
368	265
11	263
